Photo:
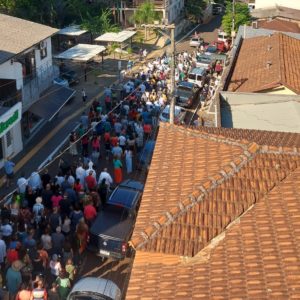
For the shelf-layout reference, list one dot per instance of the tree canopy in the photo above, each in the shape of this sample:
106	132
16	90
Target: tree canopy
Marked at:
194	9
145	14
100	24
241	16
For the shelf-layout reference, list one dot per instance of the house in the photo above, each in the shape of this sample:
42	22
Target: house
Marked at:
277	25
264	4
219	216
169	9
26	73
267	64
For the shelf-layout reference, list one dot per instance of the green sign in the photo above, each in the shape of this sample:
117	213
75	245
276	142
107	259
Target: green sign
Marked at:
9	121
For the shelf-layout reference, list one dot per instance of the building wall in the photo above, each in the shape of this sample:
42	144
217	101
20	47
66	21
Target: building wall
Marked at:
271	3
13	70
174	9
14	131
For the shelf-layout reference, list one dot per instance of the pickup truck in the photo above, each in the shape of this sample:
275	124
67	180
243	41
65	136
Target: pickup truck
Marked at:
114	224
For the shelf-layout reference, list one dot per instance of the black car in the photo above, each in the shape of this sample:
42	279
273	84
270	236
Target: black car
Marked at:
113	227
186	93
70	75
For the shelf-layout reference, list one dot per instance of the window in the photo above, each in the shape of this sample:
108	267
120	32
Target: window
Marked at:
43	52
8	139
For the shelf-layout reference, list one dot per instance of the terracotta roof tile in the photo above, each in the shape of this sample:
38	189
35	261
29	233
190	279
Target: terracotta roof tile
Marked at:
279	25
239	240
261	137
259	258
272	61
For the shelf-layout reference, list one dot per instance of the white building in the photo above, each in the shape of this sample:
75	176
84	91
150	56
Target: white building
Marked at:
260	4
26	71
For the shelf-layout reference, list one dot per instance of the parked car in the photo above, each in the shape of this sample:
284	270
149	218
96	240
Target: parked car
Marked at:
113	226
196	41
197	76
94	288
70	75
61	81
179	115
211	49
222	36
204	61
186	93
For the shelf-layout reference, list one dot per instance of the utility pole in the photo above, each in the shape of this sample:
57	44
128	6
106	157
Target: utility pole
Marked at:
233	22
173	61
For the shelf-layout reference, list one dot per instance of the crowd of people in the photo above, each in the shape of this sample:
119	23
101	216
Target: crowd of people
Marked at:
45	227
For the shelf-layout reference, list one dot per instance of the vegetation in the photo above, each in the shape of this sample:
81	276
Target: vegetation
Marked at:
145	14
99	24
242	16
56	13
194	9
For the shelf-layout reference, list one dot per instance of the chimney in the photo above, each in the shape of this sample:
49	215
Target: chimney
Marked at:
269	64
255	24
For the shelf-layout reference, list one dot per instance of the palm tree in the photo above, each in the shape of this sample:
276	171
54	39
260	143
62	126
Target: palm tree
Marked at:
145	14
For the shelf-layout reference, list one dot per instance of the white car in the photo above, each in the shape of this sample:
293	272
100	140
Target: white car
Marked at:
94	288
178	118
196	42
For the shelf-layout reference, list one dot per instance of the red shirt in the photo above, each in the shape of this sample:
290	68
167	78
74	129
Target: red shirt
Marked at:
90	212
12	255
90	182
147	128
114	141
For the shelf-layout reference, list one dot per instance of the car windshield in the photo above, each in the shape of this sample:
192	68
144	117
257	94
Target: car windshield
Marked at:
204	60
192	76
211	49
183	92
195	40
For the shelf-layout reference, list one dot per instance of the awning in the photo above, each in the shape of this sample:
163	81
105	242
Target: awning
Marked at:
115	37
73	30
81	52
48	106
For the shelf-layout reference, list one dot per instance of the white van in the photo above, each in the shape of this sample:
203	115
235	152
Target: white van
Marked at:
222	36
197	76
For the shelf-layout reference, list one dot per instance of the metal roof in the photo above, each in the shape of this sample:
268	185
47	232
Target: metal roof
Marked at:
81	52
73	30
115	37
18	35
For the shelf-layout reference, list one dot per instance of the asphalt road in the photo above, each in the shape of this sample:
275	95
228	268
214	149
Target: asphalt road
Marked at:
119	272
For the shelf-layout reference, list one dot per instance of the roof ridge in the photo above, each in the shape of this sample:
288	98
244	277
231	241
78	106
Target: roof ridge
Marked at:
207	136
280	150
228	171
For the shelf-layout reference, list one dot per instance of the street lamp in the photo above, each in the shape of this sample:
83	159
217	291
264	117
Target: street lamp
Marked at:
172	38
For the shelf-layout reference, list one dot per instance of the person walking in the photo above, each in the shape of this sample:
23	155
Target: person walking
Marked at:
118	170
84	96
14	278
73	145
128	160
9	171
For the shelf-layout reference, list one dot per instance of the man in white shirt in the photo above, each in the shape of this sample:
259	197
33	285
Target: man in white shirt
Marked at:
80	174
105	175
87	172
35	181
22	184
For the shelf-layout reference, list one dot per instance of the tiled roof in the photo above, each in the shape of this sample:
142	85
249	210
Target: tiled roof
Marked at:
261	137
232	232
267	62
17	35
279	25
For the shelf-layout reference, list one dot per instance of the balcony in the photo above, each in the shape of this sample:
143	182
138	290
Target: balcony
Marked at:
9	93
159	4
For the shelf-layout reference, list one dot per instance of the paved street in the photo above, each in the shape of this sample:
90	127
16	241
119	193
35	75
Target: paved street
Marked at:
56	131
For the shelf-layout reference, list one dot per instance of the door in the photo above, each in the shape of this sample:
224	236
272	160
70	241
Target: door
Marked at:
9	143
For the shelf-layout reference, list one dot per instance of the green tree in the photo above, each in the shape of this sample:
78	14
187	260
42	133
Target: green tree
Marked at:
7	6
145	14
241	16
194	9
99	24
